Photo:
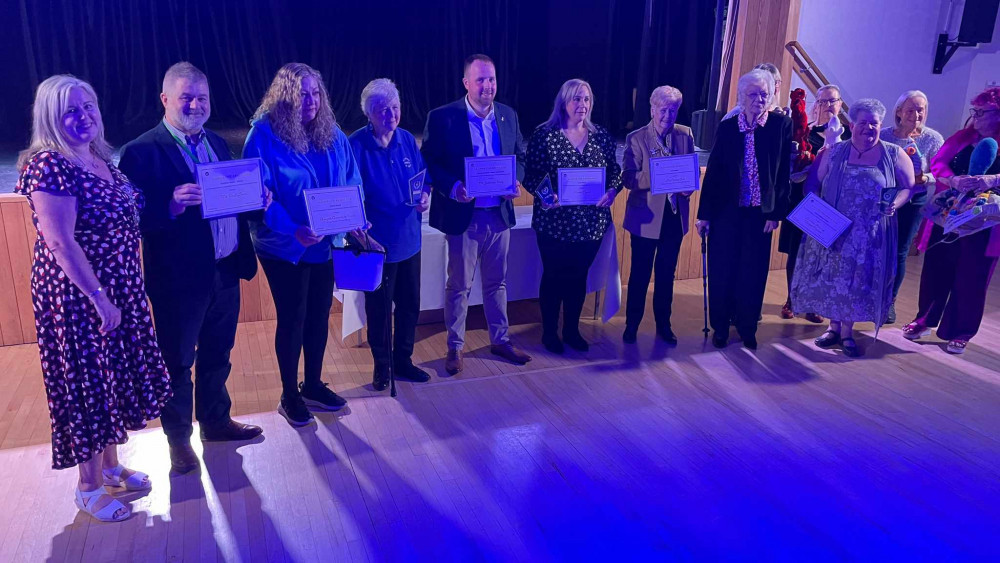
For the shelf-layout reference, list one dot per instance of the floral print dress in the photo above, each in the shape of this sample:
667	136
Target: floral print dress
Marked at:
98	385
851	280
548	151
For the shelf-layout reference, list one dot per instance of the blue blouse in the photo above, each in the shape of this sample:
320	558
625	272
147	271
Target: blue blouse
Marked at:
385	174
287	174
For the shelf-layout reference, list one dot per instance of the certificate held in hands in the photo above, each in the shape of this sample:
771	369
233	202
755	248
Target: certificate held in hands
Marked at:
491	175
674	174
229	187
335	210
581	186
819	220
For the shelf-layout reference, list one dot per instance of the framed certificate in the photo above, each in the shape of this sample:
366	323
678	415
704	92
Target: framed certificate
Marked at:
229	187
491	175
581	186
335	210
674	174
819	220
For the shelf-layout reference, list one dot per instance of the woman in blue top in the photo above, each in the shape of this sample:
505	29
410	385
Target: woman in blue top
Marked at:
295	134
389	158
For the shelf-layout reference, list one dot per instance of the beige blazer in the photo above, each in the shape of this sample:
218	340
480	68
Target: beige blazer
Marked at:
644	211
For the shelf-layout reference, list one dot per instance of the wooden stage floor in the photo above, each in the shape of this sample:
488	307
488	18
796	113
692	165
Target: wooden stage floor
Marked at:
637	453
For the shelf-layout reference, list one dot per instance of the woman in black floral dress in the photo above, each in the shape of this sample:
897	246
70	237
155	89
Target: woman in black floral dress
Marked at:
103	371
569	236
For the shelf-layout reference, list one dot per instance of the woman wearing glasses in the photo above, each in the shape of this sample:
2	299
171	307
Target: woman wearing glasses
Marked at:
851	281
745	194
774	105
826	131
911	133
956	276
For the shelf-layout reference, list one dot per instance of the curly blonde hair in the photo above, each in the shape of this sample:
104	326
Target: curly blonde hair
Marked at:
283	108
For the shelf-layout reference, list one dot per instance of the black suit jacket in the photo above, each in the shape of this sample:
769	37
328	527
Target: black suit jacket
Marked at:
179	253
721	188
447	142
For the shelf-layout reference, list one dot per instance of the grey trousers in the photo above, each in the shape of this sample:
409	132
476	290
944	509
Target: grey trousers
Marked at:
485	244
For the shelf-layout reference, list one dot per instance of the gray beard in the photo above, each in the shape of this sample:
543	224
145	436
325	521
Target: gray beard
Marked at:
191	123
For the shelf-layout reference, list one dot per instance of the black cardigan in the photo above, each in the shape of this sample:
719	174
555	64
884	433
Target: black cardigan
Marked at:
721	188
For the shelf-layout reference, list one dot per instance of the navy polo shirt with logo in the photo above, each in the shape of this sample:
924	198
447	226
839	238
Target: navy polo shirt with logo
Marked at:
385	175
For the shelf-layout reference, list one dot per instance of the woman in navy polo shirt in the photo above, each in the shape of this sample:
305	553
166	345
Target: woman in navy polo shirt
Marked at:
389	158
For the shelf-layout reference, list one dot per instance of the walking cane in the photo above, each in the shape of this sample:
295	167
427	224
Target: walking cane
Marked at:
704	279
388	333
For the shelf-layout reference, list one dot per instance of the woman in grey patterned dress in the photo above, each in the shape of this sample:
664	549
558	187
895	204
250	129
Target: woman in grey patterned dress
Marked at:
866	180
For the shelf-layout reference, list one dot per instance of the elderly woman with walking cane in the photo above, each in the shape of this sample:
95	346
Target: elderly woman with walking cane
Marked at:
744	195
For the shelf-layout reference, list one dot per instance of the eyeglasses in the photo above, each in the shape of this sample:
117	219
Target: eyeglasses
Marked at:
977	113
829	102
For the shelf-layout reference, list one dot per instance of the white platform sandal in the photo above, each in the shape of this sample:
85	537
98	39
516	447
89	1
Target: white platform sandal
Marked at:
138	481
86	500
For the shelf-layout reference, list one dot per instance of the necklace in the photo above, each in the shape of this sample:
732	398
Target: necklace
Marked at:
862	152
90	164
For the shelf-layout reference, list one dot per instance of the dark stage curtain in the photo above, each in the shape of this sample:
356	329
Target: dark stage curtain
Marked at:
677	50
123	47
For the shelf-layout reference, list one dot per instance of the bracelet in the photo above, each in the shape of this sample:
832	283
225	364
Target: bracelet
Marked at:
96	292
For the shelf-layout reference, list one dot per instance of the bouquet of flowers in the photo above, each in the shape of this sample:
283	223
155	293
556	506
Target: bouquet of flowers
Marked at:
963	214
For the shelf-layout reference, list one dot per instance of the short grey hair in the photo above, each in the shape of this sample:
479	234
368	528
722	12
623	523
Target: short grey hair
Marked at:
378	89
183	69
755	75
663	95
825	87
871	105
775	73
902	100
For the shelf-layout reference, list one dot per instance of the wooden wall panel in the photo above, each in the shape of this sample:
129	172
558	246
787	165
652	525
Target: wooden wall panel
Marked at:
19	256
10	324
763	27
17	239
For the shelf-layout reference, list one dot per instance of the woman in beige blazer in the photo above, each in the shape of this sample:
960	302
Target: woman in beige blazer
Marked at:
657	222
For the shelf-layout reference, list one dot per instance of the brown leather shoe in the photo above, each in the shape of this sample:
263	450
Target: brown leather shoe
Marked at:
508	352
453	363
786	310
183	459
230	431
813	318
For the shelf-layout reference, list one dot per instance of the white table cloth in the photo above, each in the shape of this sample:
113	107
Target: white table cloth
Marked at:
524	273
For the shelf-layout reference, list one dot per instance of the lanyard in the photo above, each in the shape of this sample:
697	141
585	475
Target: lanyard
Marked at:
187	150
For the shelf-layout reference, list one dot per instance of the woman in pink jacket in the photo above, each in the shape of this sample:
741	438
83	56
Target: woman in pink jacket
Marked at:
956	275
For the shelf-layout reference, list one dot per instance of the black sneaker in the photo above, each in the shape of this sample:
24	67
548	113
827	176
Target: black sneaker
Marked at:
320	397
294	410
890	319
411	372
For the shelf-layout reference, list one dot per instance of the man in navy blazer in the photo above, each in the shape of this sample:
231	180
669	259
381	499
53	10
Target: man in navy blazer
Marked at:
193	265
477	229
